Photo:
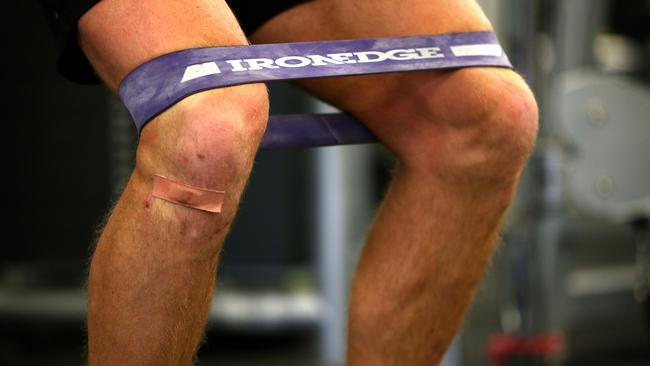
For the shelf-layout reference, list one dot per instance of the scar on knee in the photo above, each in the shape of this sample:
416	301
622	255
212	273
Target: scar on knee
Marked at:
203	199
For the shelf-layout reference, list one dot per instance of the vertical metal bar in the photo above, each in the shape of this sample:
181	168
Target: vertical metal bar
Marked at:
331	237
344	209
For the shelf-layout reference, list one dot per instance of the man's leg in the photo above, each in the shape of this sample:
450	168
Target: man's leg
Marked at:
153	271
462	138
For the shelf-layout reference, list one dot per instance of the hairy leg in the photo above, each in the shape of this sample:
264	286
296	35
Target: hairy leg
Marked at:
462	138
153	271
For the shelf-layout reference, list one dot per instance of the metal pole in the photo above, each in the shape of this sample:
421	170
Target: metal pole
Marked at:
330	238
344	210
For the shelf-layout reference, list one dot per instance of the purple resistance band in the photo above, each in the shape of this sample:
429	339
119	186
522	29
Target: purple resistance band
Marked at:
160	83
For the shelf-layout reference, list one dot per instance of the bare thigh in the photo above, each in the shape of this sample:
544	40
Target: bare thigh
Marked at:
119	35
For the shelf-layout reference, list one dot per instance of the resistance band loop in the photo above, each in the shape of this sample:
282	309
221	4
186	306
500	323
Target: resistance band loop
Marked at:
160	83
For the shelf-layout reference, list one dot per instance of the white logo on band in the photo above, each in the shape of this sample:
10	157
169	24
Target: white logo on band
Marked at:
477	50
200	70
254	64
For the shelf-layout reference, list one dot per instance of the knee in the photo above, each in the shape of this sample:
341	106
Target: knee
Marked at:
469	123
207	140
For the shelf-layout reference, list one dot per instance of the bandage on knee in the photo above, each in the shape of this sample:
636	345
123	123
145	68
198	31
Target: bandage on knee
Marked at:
186	195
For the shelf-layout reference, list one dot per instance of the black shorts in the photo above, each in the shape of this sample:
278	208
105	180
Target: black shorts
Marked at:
72	63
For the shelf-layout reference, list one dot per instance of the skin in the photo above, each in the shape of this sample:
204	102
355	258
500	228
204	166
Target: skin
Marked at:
153	271
462	138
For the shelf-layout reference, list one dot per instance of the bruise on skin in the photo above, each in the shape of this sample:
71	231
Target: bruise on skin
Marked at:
148	200
146	219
